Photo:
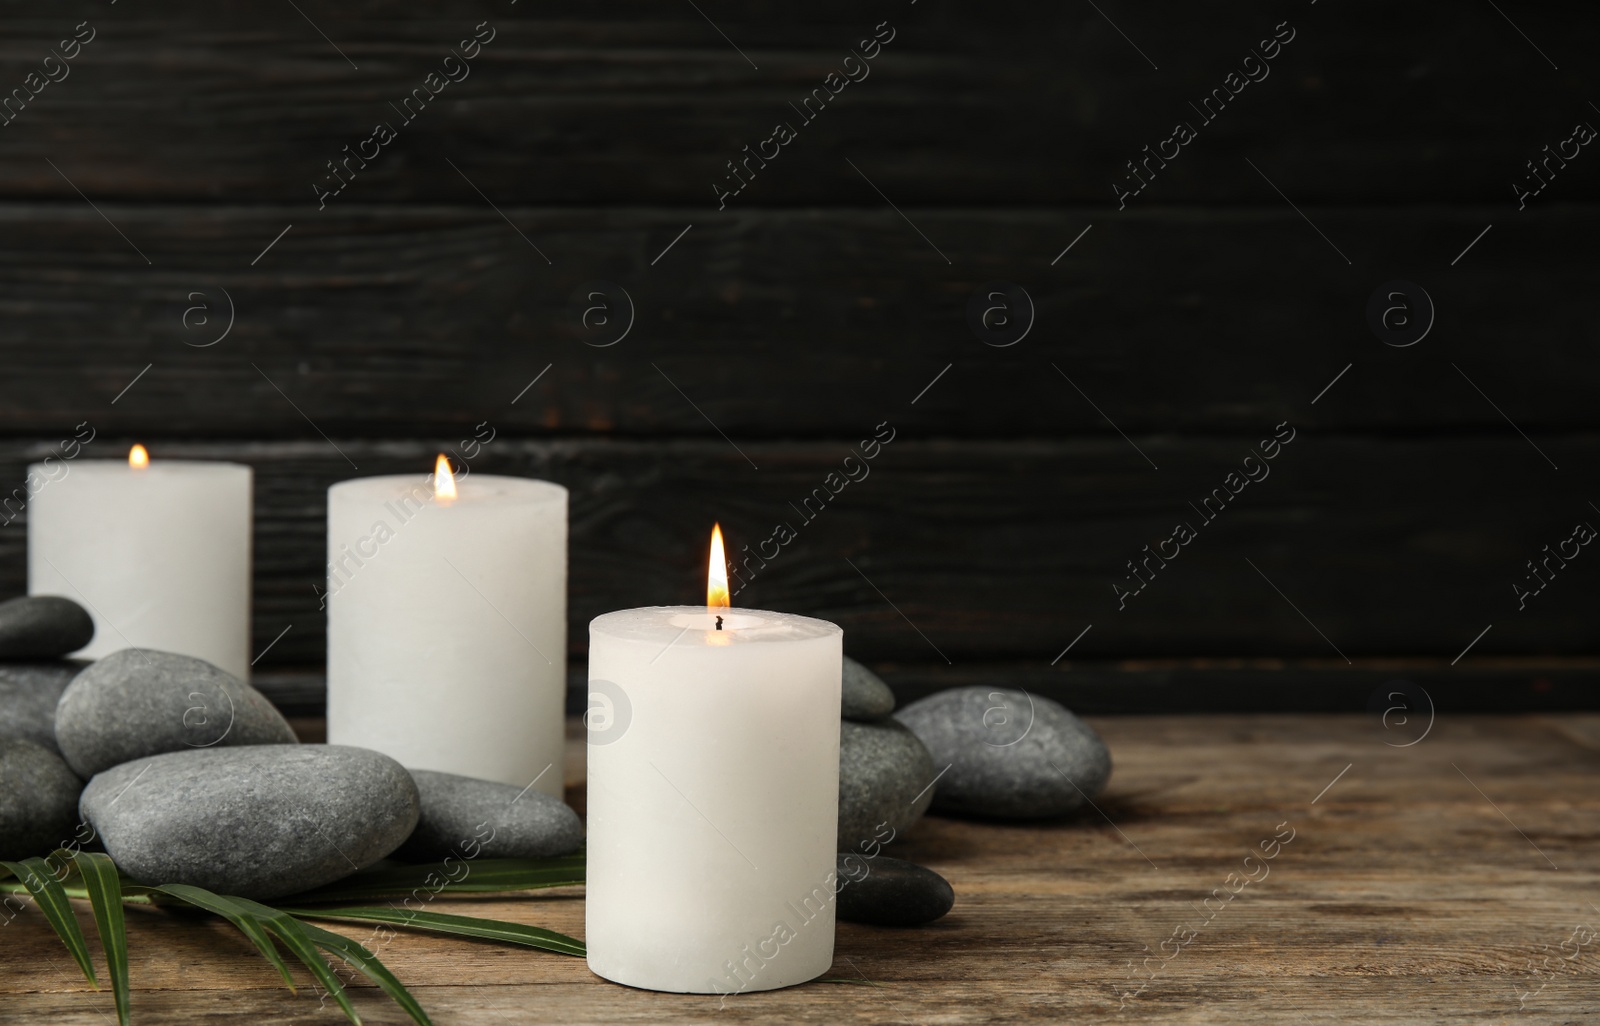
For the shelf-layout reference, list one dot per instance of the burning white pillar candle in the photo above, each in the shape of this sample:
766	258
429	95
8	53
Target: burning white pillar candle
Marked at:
447	623
157	551
713	767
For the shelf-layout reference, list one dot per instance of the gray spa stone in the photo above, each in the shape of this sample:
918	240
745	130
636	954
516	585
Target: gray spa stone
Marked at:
884	773
259	822
1011	755
890	892
864	696
469	818
140	702
38	800
28	696
43	627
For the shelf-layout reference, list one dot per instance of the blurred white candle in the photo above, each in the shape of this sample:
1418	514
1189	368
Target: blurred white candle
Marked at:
447	623
158	552
713	799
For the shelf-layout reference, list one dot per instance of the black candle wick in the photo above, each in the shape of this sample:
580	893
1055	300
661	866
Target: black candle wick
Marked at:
719	623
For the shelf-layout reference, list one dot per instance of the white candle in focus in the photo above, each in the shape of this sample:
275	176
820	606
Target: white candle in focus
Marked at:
713	801
159	555
447	625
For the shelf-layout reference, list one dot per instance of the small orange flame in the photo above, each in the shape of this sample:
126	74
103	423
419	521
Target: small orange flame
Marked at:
444	482
717	573
138	457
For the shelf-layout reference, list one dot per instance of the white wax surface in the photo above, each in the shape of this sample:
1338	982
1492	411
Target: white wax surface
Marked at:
159	556
713	798
447	625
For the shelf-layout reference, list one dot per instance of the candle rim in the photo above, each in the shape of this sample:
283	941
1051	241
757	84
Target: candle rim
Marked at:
379	485
164	464
780	628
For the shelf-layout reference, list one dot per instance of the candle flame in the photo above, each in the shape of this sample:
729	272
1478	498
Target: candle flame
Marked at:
444	482
717	573
138	457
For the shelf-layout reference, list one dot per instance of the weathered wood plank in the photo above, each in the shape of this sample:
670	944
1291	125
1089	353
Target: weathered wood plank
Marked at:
1414	689
1402	888
1423	686
1454	999
644	102
1008	550
403	322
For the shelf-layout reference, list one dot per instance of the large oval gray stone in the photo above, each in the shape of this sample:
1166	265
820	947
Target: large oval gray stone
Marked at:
258	822
28	696
140	702
43	627
890	892
469	818
863	695
1012	755
38	800
884	778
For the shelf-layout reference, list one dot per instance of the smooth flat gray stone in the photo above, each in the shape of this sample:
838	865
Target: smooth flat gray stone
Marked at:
28	696
43	627
884	773
863	694
258	822
1011	754
469	818
883	891
38	800
140	702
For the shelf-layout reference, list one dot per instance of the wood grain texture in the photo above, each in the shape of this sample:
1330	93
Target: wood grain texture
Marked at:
980	551
399	322
1010	102
1413	690
1405	896
443	287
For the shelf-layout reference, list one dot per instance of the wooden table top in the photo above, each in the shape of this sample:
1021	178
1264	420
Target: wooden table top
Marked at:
1453	880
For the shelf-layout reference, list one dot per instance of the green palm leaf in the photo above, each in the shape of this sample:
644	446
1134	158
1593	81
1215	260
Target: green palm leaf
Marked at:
104	884
460	926
293	935
359	957
51	898
107	889
483	876
302	939
281	925
298	935
246	923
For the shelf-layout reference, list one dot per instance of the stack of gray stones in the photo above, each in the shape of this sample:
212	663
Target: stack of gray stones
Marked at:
185	774
990	753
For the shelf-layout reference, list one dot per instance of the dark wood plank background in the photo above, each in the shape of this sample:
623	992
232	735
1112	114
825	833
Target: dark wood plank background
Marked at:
780	330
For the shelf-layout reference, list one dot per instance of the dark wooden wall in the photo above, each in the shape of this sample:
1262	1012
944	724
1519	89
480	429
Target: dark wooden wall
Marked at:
773	335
